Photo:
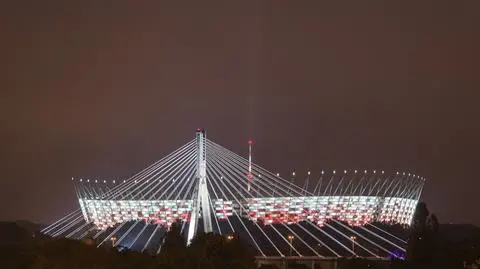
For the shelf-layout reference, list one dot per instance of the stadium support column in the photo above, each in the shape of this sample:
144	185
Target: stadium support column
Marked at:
249	175
203	196
201	202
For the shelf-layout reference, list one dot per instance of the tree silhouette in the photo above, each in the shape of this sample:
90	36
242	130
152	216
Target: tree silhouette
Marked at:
423	237
173	253
212	251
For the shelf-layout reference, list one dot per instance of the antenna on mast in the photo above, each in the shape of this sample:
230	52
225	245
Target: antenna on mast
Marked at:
249	175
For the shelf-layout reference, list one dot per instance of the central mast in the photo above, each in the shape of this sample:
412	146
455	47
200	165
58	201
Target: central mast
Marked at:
249	174
201	199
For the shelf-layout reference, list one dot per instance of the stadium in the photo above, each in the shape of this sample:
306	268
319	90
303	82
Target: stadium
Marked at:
205	187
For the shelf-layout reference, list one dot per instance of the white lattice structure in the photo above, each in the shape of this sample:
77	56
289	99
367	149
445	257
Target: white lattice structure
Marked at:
202	185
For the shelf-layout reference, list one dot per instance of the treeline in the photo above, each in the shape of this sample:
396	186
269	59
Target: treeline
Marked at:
205	251
429	246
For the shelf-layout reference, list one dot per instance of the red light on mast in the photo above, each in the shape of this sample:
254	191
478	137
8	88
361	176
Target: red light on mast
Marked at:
250	142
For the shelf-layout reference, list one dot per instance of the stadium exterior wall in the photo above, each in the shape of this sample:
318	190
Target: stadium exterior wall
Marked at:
355	210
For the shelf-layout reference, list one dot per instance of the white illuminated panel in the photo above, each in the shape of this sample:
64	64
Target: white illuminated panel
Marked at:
355	210
107	213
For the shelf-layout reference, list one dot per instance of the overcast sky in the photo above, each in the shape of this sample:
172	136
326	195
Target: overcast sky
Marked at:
103	88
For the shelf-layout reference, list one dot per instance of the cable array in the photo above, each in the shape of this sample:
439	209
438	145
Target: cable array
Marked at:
332	216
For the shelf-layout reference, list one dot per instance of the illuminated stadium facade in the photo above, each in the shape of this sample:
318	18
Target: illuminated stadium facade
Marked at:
207	188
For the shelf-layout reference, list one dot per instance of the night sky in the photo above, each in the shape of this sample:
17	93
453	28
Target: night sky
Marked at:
101	89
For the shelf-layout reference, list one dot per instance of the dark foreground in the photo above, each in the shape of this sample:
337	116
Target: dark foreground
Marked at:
453	247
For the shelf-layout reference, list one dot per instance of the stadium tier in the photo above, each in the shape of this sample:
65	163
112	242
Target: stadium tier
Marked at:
207	188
